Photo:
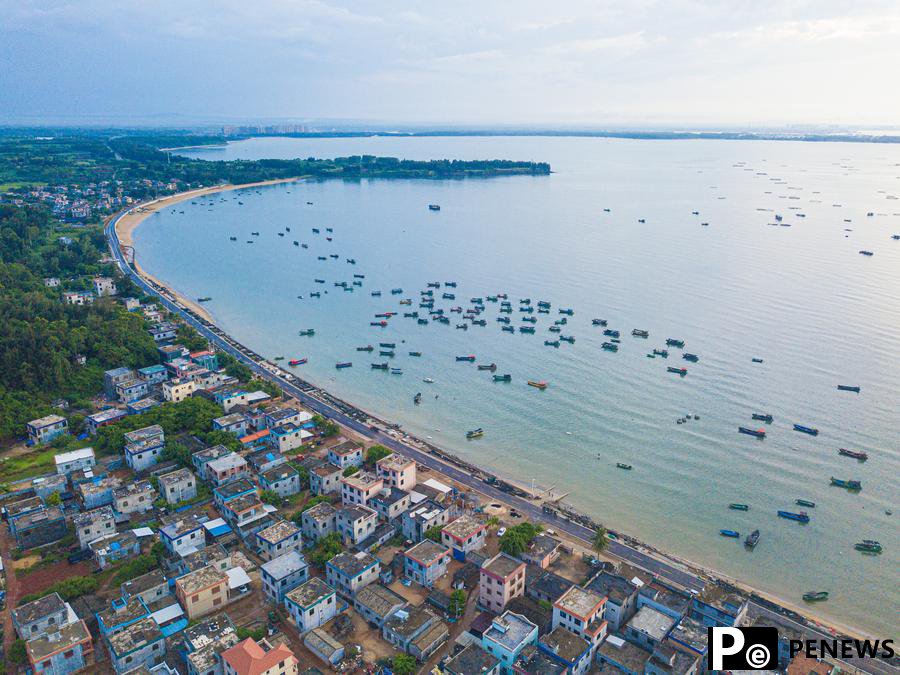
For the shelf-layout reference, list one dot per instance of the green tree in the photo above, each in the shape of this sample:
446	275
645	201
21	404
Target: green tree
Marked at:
458	600
325	549
600	541
270	497
375	453
434	533
516	538
17	652
403	664
54	499
350	470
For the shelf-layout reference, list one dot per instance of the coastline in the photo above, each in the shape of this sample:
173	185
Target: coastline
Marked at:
127	224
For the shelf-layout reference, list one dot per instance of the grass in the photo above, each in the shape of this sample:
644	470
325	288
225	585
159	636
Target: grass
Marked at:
31	464
18	185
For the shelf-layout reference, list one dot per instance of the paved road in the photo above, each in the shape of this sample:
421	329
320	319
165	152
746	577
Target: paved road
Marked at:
530	510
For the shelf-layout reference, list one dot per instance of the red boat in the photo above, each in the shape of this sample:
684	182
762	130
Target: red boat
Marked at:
855	454
297	362
378	323
385	315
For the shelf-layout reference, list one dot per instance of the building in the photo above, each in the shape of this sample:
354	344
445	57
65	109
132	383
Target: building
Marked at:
325	479
544	584
79	298
132	390
40	616
104	286
45	429
473	659
416	631
621	597
397	471
802	664
318	521
349	572
229	397
648	628
143	644
136	497
44	486
259	658
153	375
67	462
239	488
542	551
346	453
163	332
463	535
96	492
502	579
178	486
143	447
92	525
283	574
288	437
283	480
244	509
415	522
278	539
233	423
324	646
205	640
375	603
356	523
113	378
360	487
104	418
281	416
203	457
311	604
66	649
150	587
178	389
717	606
390	503
227	468
39	528
202	591
264	459
581	612
507	636
115	547
205	359
183	535
426	562
622	656
667	660
569	649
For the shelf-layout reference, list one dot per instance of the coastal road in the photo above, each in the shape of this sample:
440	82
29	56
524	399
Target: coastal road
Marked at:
528	509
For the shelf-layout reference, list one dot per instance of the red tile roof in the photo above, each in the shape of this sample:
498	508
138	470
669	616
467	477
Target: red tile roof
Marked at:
248	658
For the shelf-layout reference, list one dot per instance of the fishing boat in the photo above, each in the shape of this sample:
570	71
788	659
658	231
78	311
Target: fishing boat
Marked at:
866	253
598	322
502	319
763	417
756	360
567	311
352	261
855	454
869	546
396	371
610	346
233	238
848	387
448	296
661	352
679	371
488	366
611	333
415	353
462	326
846	484
503	378
433	284
296	362
529	319
733	534
806	430
752	539
642	220
396	291
537	384
815	596
315	294
526	329
805	502
637	332
555	329
528	309
306	332
759	433
626	467
434	207
319	281
379	366
801	516
470	358
315	230
367	348
567	338
508	329
451	284
475	433
388	345
410	315
561	322
739	507
544	304
541	310
551	343
693	358
204	299
417	398
343	364
386	352
381	324
255	234
428	380
673	342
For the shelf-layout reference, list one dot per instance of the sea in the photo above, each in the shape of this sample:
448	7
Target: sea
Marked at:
769	267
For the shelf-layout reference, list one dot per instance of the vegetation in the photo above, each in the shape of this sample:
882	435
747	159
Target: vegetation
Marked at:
458	600
403	664
235	368
516	538
326	427
68	589
375	453
325	549
270	497
17	653
135	567
434	533
256	633
600	542
350	470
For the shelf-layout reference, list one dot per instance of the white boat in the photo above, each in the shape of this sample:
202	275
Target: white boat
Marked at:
428	380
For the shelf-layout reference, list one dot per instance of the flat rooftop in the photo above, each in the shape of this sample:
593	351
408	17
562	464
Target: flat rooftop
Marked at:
394	462
472	659
502	565
362	480
652	622
408	621
378	599
132	610
39	608
345	448
63	638
628	655
427	552
278	532
234	488
310	592
200	579
175	477
321	511
352	564
579	602
139	634
464	527
565	644
284	565
326	469
509	630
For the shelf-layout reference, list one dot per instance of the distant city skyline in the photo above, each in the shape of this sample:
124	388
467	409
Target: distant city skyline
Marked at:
581	63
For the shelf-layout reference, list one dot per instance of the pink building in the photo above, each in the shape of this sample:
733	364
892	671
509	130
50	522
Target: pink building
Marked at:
502	579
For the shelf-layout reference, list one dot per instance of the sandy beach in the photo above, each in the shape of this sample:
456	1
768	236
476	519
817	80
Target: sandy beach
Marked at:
128	223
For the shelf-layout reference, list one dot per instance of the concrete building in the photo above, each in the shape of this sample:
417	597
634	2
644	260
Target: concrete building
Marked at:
621	597
569	649
205	641
415	522
150	587
668	599
283	574
65	650
178	486
648	628
360	488
259	658
397	471
114	377
239	488
143	644
96	492
264	459
45	429
40	616
502	579
345	454
234	423
203	457
95	524
311	604
619	655
144	447
227	468
349	572
324	646
581	611
288	437
112	548
375	603
390	503
355	523
178	389
426	562
104	418
325	479
542	551
717	606
132	390
244	509
153	375
39	528
134	498
507	636
104	286
202	591
473	659
318	521
463	535
67	462
278	539
283	480
416	631
183	535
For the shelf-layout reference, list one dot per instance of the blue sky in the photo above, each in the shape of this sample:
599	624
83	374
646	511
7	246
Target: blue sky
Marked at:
519	61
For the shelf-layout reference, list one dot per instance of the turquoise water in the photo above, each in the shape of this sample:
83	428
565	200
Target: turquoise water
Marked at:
799	297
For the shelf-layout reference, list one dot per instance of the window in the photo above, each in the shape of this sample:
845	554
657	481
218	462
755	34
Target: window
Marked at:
69	654
217	602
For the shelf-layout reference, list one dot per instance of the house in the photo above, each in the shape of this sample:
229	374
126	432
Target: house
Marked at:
717	606
265	459
426	562
355	523
234	423
283	480
668	599
259	658
390	503
325	479
229	397
202	591
67	462
537	612
183	535
542	551
415	522
178	389
256	439
225	493
112	548
622	656
581	611
278	539
92	525
44	486
39	528
66	649
346	453
360	487
348	572
244	509
163	332
416	631
324	646
150	587
621	597
318	520
144	447
143	644
152	375
648	628
543	585
397	471
667	660
132	390
473	659
569	649
205	359
51	282
178	486
502	579
312	604
288	437
507	636
170	353
375	603
463	535
104	418
283	574
104	286
136	497
96	492
533	661
226	469
114	377
203	457
204	641
40	616
45	429
691	636
802	664
247	529
142	406
281	416
15	510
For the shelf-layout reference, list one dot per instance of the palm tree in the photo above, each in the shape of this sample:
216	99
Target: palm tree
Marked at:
600	540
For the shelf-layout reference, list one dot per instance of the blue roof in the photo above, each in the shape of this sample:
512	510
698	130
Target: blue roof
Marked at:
219	530
115	546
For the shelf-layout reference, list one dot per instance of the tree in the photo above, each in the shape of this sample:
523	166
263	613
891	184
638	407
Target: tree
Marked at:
54	499
326	548
326	427
375	453
516	538
600	542
270	497
434	533
350	470
17	652
403	664
458	600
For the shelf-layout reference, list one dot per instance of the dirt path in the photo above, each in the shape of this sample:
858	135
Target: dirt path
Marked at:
12	589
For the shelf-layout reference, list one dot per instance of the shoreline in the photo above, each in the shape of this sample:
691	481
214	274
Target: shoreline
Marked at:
132	219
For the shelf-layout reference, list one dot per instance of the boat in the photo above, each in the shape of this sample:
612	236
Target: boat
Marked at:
386	352
352	261
367	348
693	358
661	352
541	310
637	332
752	539
382	324
304	245
763	417
567	311
806	430
867	253
462	326
847	484
415	353
433	284
233	238
526	329
805	502
319	281
815	596
451	284
641	220
801	516
388	345
434	207
855	454
610	346
306	332
525	301
759	433
410	315
529	319
611	333
733	534
255	234
502	319
315	294
679	371
544	304
417	398
551	343
848	387
448	296
379	366
396	371
296	362
598	322
204	299
396	291
756	360
475	433
869	546
503	378
673	342
296	243
490	366
561	322
537	384
739	507
508	329
428	380
626	467
470	358
343	364
555	329
567	338
376	294
315	230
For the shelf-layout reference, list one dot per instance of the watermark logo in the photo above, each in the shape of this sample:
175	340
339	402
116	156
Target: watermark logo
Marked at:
742	648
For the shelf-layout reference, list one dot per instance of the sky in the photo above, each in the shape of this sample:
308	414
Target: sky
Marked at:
582	63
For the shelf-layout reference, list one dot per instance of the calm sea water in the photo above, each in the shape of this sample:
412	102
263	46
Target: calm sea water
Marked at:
800	297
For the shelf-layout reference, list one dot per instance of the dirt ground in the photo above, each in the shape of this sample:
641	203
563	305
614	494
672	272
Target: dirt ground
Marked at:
47	576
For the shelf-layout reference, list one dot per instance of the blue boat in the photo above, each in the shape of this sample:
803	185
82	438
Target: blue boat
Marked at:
802	516
343	364
806	430
730	533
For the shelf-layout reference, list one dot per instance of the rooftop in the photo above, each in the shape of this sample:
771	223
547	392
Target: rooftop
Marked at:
205	658
200	579
98	485
693	634
652	622
541	546
579	602
352	564
362	480
321	511
353	513
310	592
182	526
378	599
436	632
64	637
322	642
471	660
39	608
394	462
226	462
211	453
75	455
617	588
464	527
390	496
565	644
278	532
510	630
427	552
627	655
250	658
121	614
278	473
326	469
502	565
408	621
243	503
425	511
34	518
284	565
721	598
234	488
345	448
139	634
533	661
175	477
546	583
207	631
135	488
228	420
144	434
23	505
144	582
46	421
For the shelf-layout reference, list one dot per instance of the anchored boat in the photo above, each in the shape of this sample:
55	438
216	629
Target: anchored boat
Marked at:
537	384
763	417
752	539
503	378
868	546
801	517
470	358
626	467
343	364
733	534
739	507
297	362
306	332
759	433
846	484
848	387
862	456
815	596
806	430
805	502
475	433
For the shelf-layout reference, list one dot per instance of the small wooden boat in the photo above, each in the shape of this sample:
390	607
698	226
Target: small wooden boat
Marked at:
733	534
739	507
626	467
537	384
815	596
